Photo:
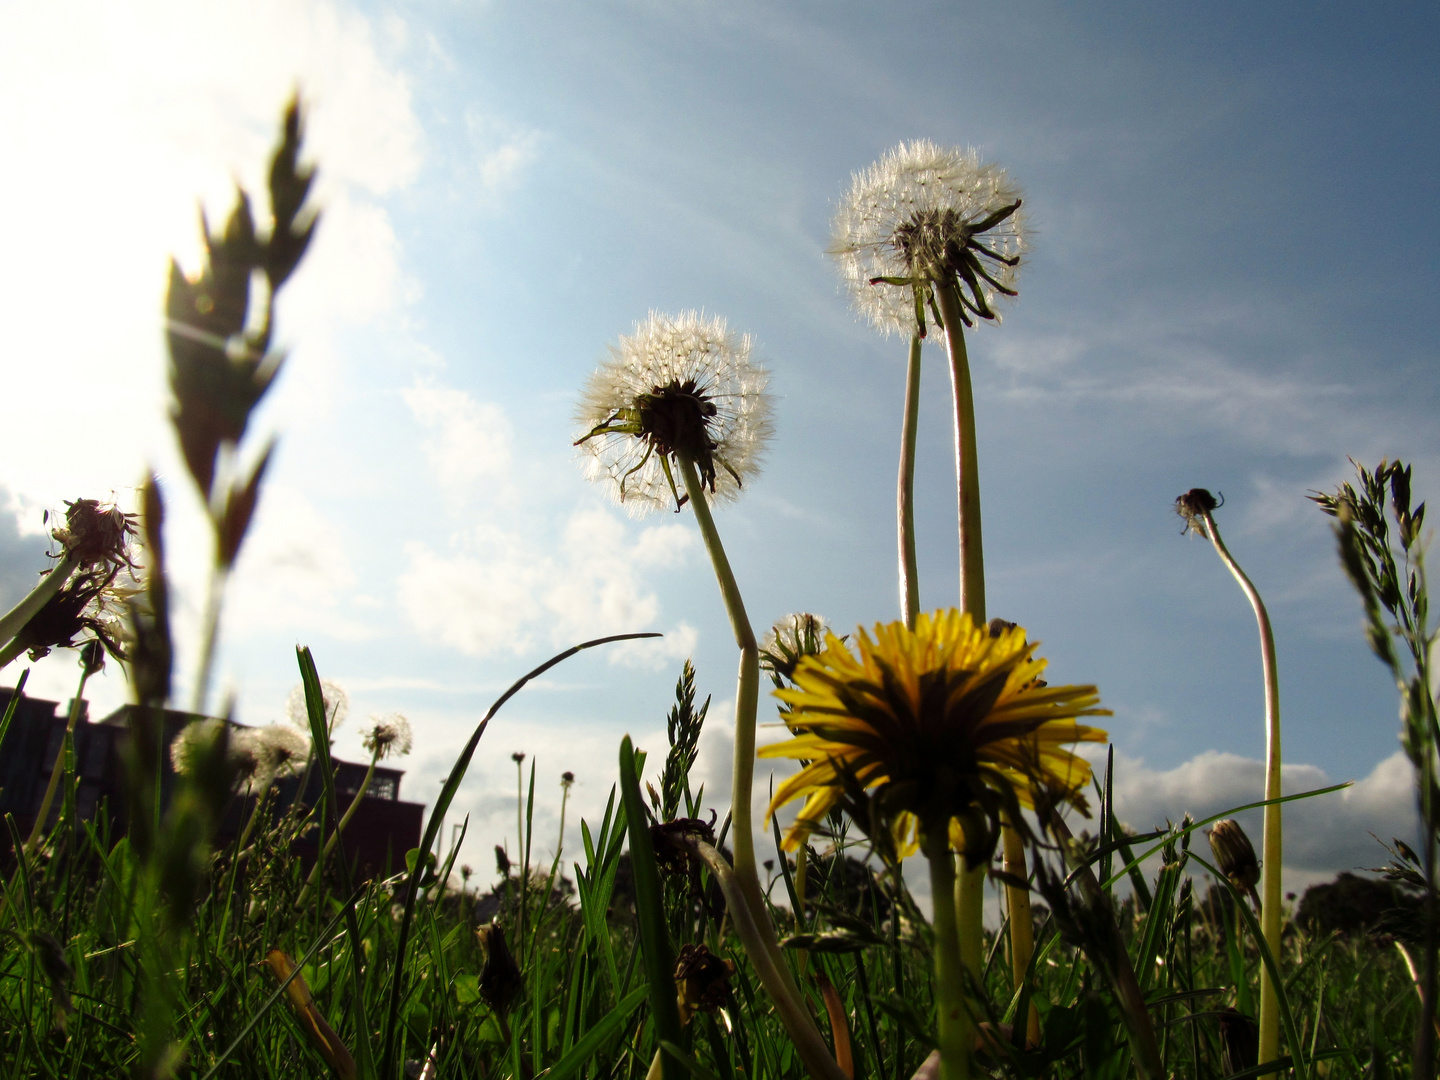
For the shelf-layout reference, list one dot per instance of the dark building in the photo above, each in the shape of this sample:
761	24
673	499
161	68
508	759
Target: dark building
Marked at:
379	834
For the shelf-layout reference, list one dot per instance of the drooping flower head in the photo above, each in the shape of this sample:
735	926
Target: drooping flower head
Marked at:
388	736
923	214
679	386
337	706
97	534
949	724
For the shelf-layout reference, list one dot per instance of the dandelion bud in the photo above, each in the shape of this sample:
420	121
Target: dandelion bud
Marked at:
500	980
502	862
789	641
702	981
1234	855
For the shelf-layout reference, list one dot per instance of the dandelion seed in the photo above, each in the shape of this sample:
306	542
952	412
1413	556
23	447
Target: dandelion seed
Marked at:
337	706
191	743
283	749
681	386
923	214
387	736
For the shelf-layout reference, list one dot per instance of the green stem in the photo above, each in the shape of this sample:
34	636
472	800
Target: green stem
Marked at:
38	829
213	599
967	465
315	871
772	971
747	696
15	619
905	498
954	1025
1270	866
1022	925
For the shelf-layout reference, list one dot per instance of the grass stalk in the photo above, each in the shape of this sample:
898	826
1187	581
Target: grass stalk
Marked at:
1271	914
77	704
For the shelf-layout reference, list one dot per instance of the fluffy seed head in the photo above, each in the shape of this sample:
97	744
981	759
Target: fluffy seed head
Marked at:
388	736
337	705
194	739
925	213
283	749
680	385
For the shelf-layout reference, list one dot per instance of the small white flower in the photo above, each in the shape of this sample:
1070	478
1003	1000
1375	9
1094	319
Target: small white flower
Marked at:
337	705
925	213
681	385
388	736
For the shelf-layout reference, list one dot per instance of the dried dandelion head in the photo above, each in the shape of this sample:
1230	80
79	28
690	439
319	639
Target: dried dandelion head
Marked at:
387	736
924	214
337	706
681	386
97	534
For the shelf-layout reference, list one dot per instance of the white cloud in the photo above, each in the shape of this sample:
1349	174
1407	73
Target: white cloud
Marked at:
502	153
1323	835
500	591
468	440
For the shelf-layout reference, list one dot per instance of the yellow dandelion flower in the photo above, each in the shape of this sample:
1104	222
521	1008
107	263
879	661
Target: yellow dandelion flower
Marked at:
946	726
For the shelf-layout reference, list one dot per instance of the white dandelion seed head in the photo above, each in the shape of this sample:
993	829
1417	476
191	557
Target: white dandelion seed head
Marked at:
388	736
193	740
248	760
679	383
283	748
337	705
901	213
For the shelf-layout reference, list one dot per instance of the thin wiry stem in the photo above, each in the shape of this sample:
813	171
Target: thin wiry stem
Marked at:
319	866
905	498
76	706
1270	866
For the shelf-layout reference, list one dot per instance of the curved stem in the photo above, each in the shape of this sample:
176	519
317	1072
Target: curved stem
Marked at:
967	465
1270	866
76	705
319	866
773	973
14	620
954	1025
905	496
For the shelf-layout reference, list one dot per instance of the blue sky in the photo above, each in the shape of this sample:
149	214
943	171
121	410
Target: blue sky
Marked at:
1232	285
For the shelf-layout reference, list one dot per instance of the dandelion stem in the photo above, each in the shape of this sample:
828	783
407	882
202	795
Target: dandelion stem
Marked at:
15	619
954	1024
76	705
742	830
771	969
905	498
1022	928
967	466
319	866
1270	866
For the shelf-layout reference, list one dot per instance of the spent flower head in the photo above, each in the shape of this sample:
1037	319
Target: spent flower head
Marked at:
924	214
680	386
945	727
92	603
283	748
387	736
97	534
337	706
